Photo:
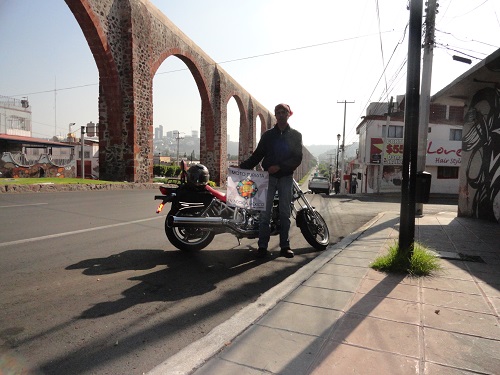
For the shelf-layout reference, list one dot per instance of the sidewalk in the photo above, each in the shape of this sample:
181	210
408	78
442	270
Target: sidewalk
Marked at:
338	316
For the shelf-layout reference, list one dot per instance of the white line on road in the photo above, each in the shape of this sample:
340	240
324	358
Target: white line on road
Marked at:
23	205
26	240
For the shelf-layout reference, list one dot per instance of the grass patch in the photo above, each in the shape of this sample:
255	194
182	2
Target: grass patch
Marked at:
423	262
52	180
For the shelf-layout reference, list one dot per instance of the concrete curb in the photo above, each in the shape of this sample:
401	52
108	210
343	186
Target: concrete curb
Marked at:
196	354
53	188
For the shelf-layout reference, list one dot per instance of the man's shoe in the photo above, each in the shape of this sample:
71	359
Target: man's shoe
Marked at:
286	252
261	252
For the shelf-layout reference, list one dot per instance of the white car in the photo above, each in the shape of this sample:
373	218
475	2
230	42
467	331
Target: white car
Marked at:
319	184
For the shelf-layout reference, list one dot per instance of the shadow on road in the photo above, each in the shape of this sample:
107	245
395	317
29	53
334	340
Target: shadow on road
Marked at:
176	275
179	275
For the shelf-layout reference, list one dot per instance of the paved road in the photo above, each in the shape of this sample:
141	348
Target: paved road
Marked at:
90	284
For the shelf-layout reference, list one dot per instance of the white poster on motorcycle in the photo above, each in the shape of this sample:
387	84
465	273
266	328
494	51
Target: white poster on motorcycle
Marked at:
247	188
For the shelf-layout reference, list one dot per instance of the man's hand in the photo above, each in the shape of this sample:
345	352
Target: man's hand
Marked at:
273	169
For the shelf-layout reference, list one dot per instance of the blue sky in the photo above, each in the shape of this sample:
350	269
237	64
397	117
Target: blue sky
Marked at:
310	55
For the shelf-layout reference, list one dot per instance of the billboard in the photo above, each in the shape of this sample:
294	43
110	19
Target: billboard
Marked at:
393	154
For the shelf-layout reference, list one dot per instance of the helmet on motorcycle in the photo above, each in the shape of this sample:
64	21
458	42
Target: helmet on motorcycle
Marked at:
198	175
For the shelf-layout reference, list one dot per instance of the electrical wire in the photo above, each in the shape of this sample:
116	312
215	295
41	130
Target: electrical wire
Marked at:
222	62
472	10
368	101
455	50
465	40
380	39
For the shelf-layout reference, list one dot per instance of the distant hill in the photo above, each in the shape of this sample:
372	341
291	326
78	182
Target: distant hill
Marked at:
190	144
327	152
317	150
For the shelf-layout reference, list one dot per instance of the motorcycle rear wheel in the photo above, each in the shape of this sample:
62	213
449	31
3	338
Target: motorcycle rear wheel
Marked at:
188	239
313	228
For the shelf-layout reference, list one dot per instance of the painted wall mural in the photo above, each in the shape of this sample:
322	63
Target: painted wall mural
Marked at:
480	180
15	165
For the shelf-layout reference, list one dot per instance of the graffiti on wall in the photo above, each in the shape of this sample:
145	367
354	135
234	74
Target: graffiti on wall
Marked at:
482	140
14	165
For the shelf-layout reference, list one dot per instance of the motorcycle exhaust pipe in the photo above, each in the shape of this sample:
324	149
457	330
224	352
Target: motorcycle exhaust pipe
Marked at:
198	222
205	222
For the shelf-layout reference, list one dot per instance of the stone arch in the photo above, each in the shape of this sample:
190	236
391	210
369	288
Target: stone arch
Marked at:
207	131
89	17
129	39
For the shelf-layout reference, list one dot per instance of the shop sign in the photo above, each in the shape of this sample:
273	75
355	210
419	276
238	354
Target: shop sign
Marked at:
444	153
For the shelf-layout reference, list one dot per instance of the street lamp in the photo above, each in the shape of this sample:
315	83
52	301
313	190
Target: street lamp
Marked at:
337	167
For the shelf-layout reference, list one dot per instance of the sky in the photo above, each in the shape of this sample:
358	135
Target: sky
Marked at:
311	55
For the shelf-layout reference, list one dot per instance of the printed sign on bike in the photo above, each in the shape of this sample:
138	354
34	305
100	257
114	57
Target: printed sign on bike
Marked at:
247	188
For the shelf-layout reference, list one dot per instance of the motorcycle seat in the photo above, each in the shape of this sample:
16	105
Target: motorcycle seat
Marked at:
219	195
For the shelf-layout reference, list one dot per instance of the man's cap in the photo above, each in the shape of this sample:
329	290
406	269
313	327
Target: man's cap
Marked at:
285	107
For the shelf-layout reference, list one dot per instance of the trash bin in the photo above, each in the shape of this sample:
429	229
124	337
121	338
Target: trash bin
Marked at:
423	187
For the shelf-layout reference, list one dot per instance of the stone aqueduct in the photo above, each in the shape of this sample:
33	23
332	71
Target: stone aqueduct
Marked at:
129	40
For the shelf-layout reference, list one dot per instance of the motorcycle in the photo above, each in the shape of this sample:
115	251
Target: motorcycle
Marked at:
199	212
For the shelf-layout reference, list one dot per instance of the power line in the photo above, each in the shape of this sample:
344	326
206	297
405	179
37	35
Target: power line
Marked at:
455	50
222	62
52	90
472	10
386	92
380	40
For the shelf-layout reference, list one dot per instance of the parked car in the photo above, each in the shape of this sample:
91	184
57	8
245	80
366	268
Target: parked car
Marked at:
319	184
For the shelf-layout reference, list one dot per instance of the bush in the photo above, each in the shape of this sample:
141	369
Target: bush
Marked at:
159	170
423	262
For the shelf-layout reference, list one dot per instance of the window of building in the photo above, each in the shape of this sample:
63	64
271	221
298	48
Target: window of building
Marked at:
395	131
86	154
455	134
447	173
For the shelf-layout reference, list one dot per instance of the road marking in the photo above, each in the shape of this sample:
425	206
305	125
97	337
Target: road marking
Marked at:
23	205
26	240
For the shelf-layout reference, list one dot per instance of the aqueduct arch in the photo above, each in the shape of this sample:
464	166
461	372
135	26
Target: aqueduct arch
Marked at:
129	40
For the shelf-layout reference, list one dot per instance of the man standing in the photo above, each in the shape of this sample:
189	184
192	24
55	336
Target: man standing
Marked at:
336	185
280	150
354	185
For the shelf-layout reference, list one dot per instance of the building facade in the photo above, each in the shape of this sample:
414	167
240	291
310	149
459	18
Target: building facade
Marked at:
478	90
15	116
381	143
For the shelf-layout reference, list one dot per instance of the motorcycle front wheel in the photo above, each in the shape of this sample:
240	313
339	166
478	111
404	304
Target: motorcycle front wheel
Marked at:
313	228
188	239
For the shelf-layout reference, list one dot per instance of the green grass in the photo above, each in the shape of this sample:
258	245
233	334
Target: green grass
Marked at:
52	180
423	262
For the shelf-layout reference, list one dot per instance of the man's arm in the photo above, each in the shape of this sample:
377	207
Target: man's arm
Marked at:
256	156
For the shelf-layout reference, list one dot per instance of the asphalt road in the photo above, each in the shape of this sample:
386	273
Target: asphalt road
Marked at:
90	284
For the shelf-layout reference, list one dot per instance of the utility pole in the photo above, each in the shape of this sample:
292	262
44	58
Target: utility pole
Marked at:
178	138
384	145
342	185
82	128
425	90
55	107
409	172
